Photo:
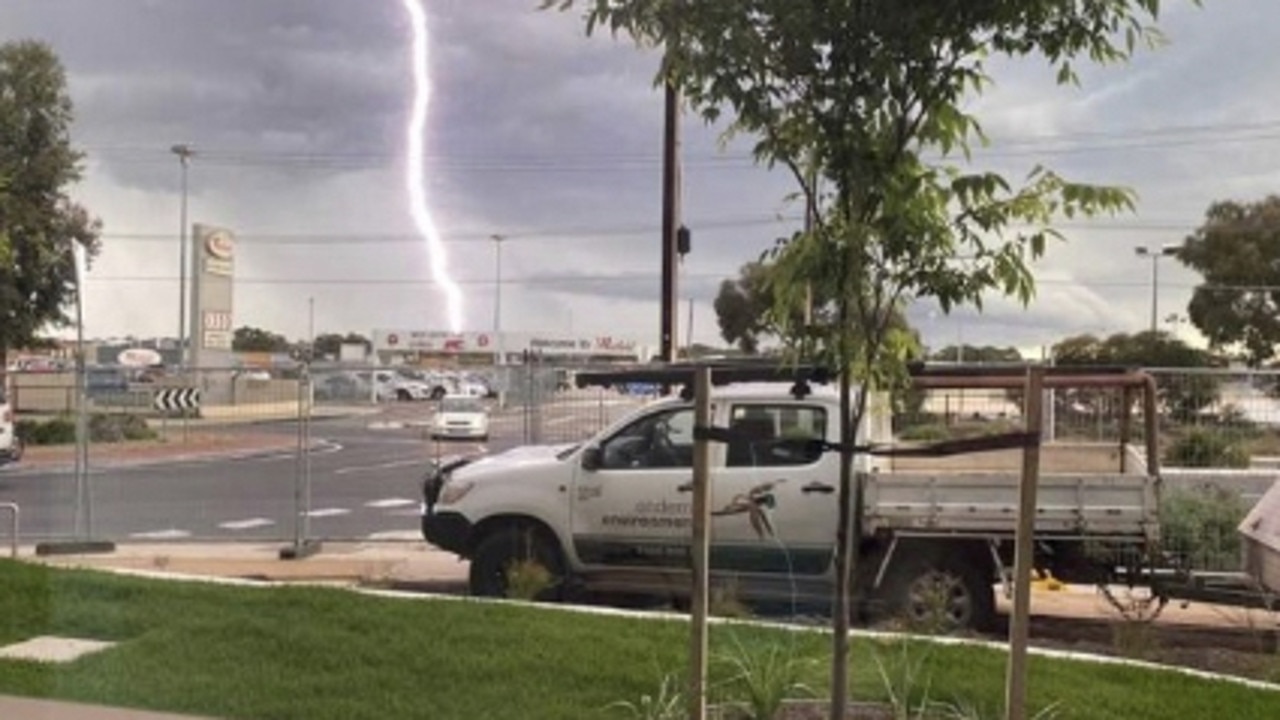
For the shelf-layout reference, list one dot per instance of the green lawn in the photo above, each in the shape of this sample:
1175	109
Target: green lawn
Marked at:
317	653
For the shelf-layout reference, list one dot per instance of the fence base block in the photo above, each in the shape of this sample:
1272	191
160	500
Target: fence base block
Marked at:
75	547
300	552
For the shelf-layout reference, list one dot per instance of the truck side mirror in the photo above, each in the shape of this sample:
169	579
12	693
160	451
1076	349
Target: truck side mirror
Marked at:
592	458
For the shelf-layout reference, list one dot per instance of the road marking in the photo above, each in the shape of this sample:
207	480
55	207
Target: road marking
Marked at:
170	534
395	535
386	425
246	524
323	447
390	503
379	466
327	512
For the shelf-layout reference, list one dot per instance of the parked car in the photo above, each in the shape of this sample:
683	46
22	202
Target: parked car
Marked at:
437	386
342	386
474	386
460	417
398	385
10	444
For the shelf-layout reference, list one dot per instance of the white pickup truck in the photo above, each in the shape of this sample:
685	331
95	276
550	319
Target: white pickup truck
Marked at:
613	514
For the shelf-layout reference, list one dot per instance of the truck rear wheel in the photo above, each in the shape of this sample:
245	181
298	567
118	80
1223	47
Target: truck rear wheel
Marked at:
505	548
937	589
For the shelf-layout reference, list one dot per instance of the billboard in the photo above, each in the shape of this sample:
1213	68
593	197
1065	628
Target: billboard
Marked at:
435	341
212	284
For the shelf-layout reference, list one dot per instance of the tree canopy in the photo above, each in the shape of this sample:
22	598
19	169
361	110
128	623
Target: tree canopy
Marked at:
743	307
39	223
252	339
865	104
1237	252
747	310
1183	395
330	344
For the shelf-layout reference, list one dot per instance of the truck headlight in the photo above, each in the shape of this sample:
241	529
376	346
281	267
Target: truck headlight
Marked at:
453	492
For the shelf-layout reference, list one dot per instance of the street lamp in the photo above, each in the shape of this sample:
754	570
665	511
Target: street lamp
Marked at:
1155	253
184	153
498	356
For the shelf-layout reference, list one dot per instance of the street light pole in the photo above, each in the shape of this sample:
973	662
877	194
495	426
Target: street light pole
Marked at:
1155	254
498	351
184	153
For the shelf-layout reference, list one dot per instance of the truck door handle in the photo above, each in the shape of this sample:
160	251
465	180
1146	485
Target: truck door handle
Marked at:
817	487
687	487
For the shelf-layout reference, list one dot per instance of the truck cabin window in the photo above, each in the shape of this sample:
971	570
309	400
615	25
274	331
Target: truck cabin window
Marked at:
660	440
775	435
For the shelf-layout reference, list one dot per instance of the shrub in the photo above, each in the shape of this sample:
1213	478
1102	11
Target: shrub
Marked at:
527	579
111	428
55	431
1199	527
1207	448
103	428
932	432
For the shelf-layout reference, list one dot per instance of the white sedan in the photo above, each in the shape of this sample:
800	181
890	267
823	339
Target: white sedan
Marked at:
460	416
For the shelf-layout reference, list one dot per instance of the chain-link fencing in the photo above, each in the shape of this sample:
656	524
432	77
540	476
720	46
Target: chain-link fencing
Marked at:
1219	439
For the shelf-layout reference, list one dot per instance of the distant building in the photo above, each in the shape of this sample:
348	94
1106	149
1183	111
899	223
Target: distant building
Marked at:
479	348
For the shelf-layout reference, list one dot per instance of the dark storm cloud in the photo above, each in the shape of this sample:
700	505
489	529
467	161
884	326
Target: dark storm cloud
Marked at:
300	106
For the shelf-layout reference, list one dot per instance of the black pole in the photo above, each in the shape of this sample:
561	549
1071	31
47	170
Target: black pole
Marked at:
670	220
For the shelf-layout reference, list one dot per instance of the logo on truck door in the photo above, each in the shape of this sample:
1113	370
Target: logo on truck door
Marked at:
757	504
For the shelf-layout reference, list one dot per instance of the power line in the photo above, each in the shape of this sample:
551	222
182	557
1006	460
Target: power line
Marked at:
622	232
1045	144
635	277
566	233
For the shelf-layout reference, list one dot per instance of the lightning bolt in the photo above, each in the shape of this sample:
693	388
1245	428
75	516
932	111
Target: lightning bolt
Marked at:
416	178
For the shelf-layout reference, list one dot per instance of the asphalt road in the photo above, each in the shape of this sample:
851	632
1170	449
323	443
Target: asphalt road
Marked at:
365	481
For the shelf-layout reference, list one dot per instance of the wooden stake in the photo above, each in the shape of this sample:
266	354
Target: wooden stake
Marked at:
1019	626
700	550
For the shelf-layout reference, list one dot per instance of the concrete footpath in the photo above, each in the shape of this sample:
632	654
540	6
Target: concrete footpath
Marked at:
15	708
405	563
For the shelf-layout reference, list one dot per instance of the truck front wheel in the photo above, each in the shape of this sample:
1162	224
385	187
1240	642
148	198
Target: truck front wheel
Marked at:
517	562
938	590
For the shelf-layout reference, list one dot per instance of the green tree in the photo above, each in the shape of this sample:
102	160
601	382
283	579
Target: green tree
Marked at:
252	339
747	313
864	103
1237	252
330	344
39	223
1183	395
988	354
742	306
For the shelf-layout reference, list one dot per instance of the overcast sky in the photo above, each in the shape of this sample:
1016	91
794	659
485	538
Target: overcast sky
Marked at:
298	110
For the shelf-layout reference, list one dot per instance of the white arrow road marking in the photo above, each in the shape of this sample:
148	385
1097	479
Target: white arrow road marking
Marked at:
170	534
323	447
395	535
390	503
379	466
327	512
246	524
